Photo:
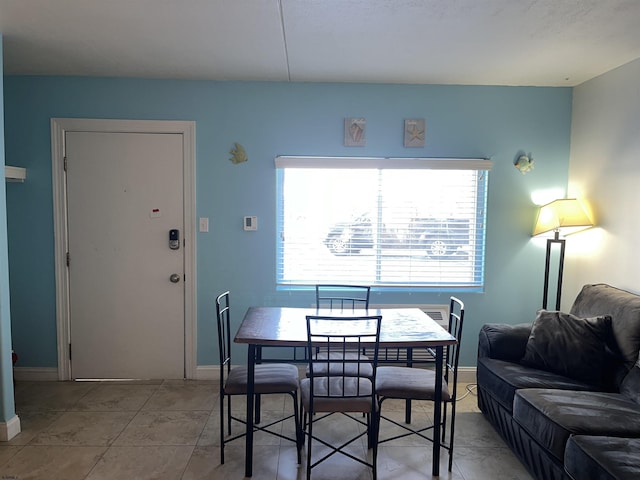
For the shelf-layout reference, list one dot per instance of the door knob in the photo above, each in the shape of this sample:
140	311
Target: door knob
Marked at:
174	278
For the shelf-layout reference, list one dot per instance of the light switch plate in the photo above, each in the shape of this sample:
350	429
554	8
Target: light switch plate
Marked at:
204	224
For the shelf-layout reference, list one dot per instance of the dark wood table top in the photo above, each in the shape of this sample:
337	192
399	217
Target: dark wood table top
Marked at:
286	326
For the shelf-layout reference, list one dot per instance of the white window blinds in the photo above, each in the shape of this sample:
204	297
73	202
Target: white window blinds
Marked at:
407	222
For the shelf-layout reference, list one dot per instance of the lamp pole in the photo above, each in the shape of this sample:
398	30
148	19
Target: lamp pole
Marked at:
545	295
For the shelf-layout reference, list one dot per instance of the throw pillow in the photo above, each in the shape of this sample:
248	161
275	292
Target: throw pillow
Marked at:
568	345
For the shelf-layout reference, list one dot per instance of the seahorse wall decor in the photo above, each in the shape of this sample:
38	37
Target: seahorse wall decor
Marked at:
238	155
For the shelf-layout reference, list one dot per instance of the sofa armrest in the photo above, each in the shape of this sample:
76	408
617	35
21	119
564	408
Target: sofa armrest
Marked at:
502	341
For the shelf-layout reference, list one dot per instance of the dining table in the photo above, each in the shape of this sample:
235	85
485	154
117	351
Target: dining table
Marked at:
409	328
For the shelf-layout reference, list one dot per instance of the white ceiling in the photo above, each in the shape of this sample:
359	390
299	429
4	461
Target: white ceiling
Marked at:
486	42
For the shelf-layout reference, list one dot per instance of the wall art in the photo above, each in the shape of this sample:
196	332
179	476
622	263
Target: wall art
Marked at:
414	132
354	132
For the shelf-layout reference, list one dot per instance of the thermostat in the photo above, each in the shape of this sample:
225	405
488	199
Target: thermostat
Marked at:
251	223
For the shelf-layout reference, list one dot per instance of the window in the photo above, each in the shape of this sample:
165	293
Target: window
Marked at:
381	221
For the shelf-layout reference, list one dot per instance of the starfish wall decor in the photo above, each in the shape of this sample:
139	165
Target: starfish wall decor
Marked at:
414	132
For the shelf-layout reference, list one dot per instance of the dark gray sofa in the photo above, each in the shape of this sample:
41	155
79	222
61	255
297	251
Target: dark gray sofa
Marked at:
570	411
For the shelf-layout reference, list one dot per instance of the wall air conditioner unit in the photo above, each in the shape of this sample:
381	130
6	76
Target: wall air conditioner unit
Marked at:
15	174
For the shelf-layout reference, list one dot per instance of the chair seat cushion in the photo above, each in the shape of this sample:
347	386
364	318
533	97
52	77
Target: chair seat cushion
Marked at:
409	383
269	378
552	416
330	392
502	378
602	458
352	368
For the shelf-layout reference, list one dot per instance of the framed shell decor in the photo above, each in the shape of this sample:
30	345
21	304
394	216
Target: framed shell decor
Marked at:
414	132
355	132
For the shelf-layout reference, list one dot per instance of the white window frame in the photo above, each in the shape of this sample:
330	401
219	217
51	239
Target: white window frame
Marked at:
282	163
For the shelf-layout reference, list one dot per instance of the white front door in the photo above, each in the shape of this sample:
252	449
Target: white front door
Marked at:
126	285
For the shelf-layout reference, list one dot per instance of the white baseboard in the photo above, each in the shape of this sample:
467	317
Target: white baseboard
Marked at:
467	374
35	374
9	429
207	372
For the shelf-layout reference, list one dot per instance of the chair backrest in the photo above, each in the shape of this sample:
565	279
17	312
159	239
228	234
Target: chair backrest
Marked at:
342	296
224	332
456	321
336	336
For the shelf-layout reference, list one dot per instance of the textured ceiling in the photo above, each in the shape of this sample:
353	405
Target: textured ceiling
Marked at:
485	42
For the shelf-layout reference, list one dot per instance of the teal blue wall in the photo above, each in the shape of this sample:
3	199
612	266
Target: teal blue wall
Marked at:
7	405
271	119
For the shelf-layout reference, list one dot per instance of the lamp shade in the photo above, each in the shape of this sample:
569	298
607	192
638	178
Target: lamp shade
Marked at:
564	216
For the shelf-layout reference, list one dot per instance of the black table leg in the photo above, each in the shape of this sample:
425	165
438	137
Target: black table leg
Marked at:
248	458
437	413
256	402
407	403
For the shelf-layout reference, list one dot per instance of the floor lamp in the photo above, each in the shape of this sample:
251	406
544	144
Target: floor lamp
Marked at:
561	217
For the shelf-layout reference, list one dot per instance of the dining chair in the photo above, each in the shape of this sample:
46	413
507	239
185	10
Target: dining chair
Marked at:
337	384
343	297
416	383
271	378
353	297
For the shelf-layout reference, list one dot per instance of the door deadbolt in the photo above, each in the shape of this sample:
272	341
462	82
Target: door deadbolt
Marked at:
174	278
174	239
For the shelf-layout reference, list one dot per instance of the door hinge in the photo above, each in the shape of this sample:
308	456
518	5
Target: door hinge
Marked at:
69	352
64	165
68	259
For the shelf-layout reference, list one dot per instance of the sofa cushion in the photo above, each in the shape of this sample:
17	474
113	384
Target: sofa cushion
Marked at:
624	309
602	458
568	345
630	387
503	341
551	416
501	379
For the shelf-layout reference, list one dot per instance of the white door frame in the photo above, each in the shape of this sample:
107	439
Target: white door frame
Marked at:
59	126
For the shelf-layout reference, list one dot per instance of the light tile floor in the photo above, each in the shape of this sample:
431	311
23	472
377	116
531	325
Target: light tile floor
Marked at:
169	430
